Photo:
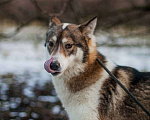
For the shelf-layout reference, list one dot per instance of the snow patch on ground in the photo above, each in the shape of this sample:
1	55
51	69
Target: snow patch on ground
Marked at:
26	60
137	57
19	57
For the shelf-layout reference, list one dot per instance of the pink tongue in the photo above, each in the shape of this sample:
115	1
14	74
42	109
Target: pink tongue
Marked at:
47	65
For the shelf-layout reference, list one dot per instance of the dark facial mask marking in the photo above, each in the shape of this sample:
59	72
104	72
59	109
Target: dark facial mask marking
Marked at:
78	41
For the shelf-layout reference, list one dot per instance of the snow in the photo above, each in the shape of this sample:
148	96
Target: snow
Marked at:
25	59
4	97
13	105
18	100
20	57
56	109
137	57
34	115
28	92
22	114
47	99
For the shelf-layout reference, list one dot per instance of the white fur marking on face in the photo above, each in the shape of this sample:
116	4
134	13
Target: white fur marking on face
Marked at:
54	38
64	40
75	66
79	55
65	25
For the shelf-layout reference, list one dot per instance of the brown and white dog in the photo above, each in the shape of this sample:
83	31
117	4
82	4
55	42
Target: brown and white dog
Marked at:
86	91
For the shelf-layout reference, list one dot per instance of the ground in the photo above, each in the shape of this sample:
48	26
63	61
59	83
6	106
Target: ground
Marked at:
26	91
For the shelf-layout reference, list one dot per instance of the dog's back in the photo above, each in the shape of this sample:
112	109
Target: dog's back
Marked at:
116	104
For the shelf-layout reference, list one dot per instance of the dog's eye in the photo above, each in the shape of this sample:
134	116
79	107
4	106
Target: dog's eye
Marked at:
68	46
51	44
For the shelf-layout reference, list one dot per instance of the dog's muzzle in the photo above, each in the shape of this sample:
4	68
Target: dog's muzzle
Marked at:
52	66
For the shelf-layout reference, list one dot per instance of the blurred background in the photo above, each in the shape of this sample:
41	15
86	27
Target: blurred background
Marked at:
26	91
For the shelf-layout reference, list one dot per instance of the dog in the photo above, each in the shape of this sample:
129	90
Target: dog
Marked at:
86	91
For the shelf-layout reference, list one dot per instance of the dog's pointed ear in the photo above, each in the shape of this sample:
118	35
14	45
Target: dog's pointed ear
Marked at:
87	28
54	21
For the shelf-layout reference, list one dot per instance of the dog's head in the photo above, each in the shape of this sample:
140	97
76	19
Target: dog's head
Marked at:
69	45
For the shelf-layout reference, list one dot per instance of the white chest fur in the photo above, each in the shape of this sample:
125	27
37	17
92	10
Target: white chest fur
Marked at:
83	104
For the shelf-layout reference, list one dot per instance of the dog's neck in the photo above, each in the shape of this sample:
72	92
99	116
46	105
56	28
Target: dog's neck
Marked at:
86	77
81	75
81	91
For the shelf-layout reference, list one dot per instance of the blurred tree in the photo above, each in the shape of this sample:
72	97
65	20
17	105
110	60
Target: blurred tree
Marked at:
110	13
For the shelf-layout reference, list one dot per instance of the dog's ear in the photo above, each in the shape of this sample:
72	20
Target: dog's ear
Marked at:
88	27
54	21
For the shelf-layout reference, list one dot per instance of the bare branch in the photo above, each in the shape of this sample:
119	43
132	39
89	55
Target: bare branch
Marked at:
52	14
135	34
9	35
17	30
2	2
114	39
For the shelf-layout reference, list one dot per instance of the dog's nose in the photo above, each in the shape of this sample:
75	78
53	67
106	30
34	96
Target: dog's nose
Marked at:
55	65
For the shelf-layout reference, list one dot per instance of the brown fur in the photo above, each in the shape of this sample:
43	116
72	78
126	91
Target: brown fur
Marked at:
124	108
55	20
86	78
114	104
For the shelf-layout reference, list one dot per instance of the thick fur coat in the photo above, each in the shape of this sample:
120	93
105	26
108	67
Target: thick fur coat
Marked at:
86	91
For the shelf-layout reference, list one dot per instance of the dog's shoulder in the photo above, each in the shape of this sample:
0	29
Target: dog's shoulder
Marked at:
138	83
135	77
113	97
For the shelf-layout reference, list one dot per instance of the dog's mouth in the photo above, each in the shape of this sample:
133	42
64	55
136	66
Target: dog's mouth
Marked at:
48	69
